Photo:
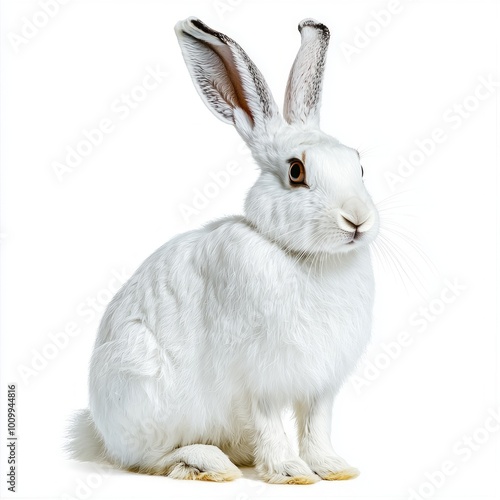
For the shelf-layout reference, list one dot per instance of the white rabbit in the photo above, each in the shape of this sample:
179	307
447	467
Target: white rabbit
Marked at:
223	328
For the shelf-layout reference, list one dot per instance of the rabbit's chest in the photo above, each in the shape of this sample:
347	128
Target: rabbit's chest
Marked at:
307	333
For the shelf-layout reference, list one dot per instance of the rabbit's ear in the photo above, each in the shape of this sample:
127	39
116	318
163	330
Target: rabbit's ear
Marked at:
227	80
303	90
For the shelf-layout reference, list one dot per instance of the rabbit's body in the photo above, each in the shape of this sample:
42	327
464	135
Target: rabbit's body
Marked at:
269	327
223	328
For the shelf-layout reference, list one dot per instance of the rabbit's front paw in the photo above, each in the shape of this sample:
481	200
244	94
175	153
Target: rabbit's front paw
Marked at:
332	468
294	471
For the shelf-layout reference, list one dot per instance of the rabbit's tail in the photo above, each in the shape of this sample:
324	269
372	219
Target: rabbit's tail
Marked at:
84	442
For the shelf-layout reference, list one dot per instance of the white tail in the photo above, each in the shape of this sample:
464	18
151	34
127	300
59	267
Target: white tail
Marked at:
84	441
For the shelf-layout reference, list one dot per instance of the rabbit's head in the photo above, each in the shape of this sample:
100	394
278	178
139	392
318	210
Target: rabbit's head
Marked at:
310	197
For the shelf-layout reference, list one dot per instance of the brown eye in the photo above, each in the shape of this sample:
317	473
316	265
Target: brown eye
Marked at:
297	173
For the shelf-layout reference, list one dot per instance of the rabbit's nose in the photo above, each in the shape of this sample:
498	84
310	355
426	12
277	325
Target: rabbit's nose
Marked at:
355	216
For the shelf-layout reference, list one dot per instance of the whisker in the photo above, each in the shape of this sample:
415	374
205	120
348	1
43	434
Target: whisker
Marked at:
394	264
397	195
365	151
409	239
409	268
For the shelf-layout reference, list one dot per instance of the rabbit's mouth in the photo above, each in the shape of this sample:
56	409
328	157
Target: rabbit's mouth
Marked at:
355	236
356	239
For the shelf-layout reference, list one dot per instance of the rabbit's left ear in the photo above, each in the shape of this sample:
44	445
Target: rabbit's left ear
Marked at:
227	80
303	90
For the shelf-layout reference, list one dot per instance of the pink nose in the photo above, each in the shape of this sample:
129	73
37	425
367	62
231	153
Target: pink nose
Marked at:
355	216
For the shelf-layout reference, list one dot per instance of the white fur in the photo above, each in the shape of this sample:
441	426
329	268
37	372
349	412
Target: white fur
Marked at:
222	328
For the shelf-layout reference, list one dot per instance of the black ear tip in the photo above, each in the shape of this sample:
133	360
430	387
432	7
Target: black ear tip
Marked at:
185	25
191	24
312	23
196	27
198	23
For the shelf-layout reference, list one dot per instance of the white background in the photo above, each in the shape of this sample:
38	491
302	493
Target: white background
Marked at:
64	240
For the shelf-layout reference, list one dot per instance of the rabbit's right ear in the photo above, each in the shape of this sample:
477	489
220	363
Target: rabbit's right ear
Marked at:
303	90
227	80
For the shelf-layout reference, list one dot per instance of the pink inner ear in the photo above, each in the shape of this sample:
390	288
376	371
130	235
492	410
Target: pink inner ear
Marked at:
235	87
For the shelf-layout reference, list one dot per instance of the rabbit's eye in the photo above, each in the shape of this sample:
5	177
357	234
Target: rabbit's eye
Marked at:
362	171
297	173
